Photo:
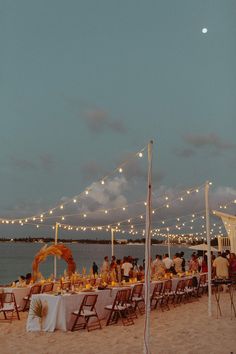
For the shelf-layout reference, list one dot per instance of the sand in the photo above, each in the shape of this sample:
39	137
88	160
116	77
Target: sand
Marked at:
184	329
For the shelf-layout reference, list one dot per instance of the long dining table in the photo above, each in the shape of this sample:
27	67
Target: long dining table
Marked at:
59	307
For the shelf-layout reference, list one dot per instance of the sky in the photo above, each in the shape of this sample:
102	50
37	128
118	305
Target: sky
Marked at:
85	84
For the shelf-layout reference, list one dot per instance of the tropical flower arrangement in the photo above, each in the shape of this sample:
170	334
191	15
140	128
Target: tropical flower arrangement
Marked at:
39	309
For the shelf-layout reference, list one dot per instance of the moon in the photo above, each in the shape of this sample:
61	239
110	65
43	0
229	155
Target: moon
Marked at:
204	30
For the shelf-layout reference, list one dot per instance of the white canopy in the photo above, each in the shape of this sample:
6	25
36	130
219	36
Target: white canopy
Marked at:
230	226
202	247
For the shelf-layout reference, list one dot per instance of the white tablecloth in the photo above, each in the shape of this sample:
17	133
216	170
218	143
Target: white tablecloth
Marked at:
60	307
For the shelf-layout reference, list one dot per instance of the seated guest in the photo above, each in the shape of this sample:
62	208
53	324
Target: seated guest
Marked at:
21	281
28	278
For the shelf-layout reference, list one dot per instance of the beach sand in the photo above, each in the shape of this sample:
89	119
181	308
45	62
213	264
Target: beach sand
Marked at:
184	329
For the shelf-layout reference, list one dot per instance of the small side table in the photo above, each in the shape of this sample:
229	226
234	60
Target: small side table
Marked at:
217	283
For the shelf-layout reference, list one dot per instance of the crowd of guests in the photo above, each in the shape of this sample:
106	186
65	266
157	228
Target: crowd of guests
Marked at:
223	266
118	270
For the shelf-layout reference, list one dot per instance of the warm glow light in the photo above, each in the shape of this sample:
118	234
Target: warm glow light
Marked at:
86	192
123	208
106	211
120	170
85	215
61	207
102	182
50	212
140	154
74	200
204	30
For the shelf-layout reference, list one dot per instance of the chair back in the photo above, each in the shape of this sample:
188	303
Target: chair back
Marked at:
137	290
8	300
167	286
180	285
157	289
189	283
88	302
202	279
65	285
122	297
46	288
35	289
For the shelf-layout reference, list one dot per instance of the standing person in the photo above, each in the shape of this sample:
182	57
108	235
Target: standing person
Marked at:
95	268
193	264
167	262
232	266
118	270
158	267
126	268
204	267
105	265
178	263
183	262
221	266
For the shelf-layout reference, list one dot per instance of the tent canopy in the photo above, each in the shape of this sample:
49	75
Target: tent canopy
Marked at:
202	247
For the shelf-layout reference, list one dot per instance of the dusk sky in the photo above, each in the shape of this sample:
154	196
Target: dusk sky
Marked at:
85	83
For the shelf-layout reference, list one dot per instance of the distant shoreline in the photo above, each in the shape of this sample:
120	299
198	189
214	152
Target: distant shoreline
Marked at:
141	241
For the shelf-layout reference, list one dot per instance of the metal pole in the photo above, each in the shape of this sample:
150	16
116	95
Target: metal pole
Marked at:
112	242
208	247
168	237
55	257
146	348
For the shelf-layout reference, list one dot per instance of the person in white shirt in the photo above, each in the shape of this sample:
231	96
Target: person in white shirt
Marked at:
126	268
168	262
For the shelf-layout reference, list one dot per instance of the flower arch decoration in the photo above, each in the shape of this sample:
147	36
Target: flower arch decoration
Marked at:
60	250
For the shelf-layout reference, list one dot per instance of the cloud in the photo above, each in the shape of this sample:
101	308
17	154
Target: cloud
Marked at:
208	140
108	195
99	121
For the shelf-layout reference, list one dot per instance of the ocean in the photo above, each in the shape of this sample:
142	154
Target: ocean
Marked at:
16	257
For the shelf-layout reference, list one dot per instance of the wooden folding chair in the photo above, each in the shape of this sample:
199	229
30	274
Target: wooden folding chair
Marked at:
46	288
35	289
120	308
167	294
65	285
8	304
137	298
157	295
86	311
202	285
180	293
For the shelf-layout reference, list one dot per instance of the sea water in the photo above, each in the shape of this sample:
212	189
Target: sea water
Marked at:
16	257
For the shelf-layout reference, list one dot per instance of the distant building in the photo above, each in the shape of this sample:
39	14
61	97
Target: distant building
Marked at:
122	241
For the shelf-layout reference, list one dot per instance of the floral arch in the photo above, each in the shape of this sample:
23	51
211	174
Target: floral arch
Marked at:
60	250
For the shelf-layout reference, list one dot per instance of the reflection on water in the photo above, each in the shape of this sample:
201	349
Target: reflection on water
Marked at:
16	258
